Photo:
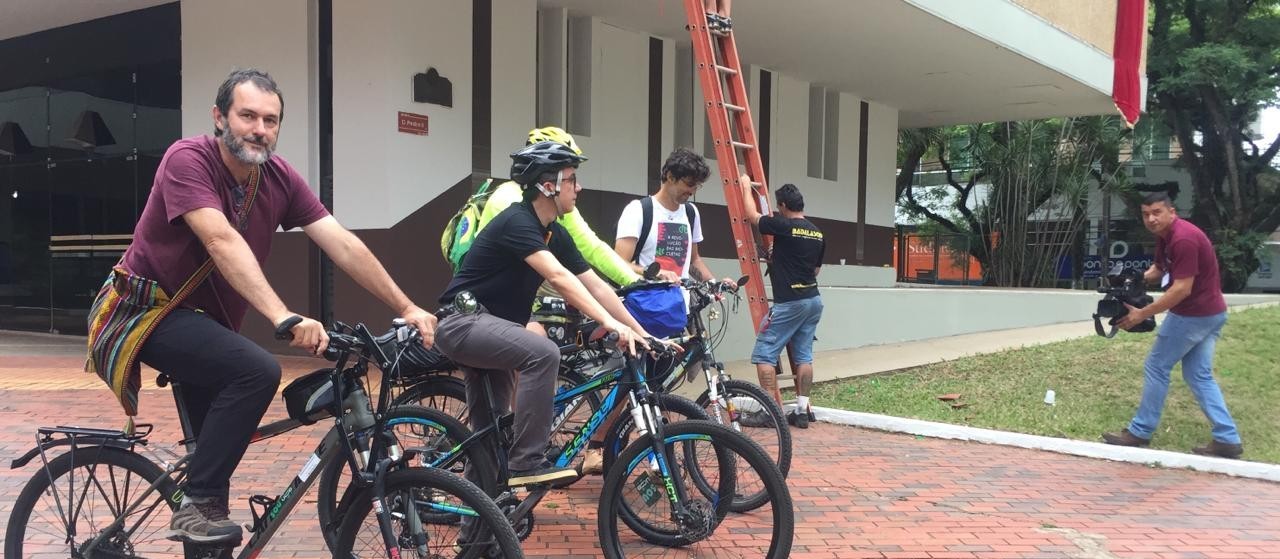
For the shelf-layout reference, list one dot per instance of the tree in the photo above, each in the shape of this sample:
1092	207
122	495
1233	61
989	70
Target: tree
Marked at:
1035	178
1212	66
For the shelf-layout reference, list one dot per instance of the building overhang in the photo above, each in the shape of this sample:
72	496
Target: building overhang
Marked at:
938	62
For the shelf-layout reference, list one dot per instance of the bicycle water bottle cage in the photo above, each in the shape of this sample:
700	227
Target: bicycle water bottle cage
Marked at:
506	424
261	503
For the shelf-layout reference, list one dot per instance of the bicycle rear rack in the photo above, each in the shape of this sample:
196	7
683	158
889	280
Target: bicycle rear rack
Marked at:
50	437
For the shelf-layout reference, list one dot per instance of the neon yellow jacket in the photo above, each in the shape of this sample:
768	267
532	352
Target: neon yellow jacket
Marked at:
596	252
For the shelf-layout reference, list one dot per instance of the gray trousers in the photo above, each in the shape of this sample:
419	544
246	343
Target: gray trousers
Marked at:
483	344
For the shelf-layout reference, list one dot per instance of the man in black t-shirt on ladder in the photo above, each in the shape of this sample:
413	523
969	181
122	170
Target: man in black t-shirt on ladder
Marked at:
798	249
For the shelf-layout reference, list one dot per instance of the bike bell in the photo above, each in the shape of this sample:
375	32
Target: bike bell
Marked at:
466	303
401	328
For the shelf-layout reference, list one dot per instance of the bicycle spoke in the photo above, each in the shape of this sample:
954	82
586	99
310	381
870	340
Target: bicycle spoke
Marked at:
96	491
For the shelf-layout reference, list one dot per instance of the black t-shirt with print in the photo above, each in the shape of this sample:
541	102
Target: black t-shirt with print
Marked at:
494	269
797	250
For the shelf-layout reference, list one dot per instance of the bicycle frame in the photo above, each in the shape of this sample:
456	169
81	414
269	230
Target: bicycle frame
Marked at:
638	396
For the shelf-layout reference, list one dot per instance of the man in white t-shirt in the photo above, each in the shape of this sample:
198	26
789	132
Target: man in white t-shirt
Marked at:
674	224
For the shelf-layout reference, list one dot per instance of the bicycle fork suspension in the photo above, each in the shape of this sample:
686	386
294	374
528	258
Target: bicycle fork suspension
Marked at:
647	421
386	515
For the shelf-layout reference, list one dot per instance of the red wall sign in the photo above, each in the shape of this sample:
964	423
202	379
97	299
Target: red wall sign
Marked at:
411	123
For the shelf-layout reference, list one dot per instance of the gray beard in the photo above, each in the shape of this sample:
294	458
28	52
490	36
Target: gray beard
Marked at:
241	152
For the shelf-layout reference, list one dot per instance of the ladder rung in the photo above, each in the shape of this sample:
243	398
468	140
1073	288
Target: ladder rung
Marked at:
726	70
742	145
755	184
735	108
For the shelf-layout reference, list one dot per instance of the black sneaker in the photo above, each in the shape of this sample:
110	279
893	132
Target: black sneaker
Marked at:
758	419
799	420
204	522
812	418
547	473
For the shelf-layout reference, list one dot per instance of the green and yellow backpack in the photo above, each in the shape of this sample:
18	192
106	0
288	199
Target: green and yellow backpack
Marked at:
462	228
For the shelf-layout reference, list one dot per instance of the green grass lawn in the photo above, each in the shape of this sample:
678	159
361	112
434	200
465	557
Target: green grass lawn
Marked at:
1098	383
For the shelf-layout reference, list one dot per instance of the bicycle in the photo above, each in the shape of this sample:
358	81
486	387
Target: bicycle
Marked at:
121	501
679	473
739	404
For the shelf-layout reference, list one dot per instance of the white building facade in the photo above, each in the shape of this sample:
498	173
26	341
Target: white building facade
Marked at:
831	82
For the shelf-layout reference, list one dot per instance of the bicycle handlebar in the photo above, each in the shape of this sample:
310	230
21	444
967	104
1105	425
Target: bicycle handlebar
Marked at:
283	330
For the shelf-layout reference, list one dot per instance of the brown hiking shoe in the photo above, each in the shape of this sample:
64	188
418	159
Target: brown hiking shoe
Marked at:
204	521
1216	448
593	462
1125	438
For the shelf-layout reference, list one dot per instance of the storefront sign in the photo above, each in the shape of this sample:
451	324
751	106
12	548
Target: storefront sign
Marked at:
411	123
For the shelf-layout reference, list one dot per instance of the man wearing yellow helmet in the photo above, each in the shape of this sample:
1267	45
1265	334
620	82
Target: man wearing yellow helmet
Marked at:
598	253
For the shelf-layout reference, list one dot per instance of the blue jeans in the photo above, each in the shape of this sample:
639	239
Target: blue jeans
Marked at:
793	322
1190	339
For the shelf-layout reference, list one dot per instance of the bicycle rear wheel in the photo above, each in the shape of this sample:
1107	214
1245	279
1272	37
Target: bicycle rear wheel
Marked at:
437	391
748	409
90	487
425	493
638	519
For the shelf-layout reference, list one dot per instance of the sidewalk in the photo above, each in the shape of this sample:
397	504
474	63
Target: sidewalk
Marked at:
857	492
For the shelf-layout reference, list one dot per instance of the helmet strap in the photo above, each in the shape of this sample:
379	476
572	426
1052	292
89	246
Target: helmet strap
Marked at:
554	195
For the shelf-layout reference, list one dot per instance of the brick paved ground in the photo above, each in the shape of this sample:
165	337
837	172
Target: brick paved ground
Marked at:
858	493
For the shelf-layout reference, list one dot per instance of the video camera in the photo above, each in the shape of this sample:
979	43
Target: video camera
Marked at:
1123	285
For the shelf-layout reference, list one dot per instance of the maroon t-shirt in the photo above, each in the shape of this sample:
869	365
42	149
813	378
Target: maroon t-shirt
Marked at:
1187	253
192	176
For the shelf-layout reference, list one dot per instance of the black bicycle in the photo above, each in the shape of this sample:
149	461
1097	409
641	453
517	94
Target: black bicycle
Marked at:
104	498
738	404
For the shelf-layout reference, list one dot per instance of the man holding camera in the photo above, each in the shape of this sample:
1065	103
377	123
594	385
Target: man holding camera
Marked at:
1186	262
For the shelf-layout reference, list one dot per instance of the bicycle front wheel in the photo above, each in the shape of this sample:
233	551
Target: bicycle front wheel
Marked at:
425	435
646	514
416	499
59	513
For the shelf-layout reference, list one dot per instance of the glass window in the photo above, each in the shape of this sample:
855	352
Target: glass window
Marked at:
79	146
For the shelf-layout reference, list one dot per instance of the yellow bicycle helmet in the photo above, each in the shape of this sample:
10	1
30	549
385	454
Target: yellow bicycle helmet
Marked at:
553	134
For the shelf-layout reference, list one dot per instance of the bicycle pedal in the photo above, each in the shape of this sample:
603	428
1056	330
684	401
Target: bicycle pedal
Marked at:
210	551
507	420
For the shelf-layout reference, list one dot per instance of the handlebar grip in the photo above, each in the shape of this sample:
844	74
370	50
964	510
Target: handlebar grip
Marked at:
283	329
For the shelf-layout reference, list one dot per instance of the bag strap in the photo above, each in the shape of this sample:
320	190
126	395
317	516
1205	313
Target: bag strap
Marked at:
692	214
646	222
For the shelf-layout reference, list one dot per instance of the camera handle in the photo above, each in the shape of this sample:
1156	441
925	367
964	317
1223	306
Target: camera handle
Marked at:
1097	325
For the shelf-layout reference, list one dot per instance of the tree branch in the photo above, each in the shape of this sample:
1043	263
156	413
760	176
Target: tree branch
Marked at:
1194	22
1252	146
1213	102
1266	157
936	218
910	164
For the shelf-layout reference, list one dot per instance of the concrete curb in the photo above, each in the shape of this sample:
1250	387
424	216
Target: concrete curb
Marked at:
1162	458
